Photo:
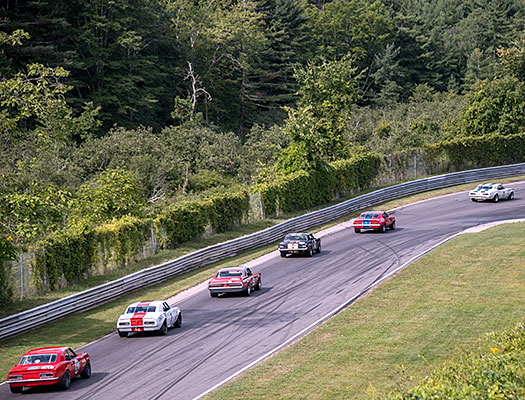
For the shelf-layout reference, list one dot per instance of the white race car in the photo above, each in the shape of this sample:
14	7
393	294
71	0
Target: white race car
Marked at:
147	316
491	191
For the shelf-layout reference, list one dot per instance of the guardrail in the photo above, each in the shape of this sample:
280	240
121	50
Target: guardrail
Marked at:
21	322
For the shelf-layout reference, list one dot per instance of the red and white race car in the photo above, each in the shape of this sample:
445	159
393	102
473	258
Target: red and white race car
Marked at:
234	279
149	316
48	366
376	220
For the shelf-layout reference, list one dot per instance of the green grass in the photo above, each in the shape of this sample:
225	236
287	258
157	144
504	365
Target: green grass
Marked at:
398	333
79	329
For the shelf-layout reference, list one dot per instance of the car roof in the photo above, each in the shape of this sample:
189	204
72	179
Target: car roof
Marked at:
243	267
371	211
47	350
146	303
298	233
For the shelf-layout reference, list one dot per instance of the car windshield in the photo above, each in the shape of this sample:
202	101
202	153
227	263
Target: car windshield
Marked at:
141	309
295	237
38	359
485	187
229	273
368	215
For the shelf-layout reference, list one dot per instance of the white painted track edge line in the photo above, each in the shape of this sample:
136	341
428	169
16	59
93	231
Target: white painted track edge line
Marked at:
324	318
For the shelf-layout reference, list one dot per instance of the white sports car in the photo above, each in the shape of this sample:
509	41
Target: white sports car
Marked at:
147	316
491	191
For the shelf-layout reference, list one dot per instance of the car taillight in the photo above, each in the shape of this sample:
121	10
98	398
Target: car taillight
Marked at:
15	377
47	375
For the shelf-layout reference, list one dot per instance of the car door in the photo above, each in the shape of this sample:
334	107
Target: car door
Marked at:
73	363
169	313
249	276
387	218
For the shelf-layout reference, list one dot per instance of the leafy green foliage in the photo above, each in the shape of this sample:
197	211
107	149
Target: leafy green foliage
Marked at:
7	252
496	373
112	194
307	188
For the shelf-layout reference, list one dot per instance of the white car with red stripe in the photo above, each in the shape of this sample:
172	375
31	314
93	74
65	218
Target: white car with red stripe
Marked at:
149	316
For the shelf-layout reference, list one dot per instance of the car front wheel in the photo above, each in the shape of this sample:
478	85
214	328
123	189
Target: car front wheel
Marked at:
383	228
393	226
178	322
87	371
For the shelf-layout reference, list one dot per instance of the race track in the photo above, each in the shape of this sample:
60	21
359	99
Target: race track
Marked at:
222	335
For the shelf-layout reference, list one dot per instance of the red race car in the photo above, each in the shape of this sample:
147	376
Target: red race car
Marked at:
374	220
48	366
234	279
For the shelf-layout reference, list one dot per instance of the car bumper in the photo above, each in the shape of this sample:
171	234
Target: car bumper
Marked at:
34	382
478	197
149	328
371	226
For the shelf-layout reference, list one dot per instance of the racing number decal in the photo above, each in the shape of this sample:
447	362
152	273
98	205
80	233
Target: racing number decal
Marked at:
77	366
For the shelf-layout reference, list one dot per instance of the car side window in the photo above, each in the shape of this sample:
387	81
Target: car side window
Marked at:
165	306
500	187
248	271
70	354
385	215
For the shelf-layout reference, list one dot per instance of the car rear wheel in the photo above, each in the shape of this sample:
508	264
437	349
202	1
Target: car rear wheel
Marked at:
16	389
496	198
65	382
178	322
283	254
259	285
474	200
87	371
163	331
357	230
123	334
213	294
511	196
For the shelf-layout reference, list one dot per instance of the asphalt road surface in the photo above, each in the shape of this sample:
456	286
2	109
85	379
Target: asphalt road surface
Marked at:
222	335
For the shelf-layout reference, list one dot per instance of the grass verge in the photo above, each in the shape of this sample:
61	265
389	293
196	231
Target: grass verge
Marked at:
397	334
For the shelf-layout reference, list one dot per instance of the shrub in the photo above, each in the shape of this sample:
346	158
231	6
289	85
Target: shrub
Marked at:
498	373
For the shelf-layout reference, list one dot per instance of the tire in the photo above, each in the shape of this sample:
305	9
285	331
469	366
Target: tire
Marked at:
123	334
16	389
283	254
87	371
382	229
496	198
213	294
259	285
319	248
310	252
357	230
178	322
163	331
393	226
65	382
248	290
511	196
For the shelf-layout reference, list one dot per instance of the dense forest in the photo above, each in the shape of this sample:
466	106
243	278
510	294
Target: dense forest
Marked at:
118	107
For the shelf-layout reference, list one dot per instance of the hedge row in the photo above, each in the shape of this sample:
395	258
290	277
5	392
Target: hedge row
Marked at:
499	373
70	255
485	151
305	189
